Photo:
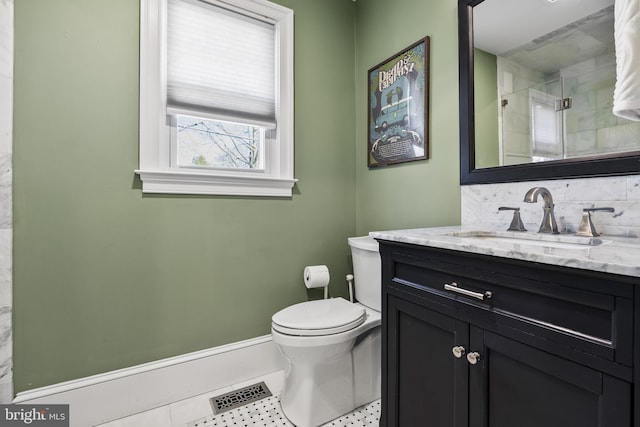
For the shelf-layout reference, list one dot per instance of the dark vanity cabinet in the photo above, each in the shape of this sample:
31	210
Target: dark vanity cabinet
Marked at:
515	344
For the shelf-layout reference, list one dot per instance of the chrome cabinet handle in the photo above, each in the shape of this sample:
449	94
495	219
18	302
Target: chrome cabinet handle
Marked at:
458	351
473	357
478	295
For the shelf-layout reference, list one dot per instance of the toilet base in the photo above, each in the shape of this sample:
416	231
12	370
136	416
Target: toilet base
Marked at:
316	393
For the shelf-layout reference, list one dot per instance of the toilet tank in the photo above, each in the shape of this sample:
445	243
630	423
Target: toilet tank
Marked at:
367	271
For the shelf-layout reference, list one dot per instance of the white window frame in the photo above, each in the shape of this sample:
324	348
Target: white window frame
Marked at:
156	171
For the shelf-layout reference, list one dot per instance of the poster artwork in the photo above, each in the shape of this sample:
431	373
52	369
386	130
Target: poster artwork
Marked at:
398	107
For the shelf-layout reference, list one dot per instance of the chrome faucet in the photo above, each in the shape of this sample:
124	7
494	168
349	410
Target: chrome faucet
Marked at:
548	224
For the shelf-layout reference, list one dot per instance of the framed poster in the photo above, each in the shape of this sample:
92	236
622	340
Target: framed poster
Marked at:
398	107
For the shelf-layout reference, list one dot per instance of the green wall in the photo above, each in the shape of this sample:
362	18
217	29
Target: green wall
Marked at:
106	277
421	193
485	77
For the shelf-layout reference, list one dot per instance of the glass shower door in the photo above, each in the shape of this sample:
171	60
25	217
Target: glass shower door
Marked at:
532	124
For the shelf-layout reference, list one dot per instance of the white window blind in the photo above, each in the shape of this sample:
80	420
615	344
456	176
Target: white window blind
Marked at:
220	64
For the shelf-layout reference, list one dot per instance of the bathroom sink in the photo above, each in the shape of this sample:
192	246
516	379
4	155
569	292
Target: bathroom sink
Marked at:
561	241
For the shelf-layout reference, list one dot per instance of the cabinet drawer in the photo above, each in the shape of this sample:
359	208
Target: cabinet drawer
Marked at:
555	308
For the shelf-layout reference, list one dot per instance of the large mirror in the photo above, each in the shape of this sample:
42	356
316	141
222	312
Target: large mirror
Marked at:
536	90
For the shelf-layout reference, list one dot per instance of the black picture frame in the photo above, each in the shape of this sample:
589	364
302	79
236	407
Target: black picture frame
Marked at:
398	107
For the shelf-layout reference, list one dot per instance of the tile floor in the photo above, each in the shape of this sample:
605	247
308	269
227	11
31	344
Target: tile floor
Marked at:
197	412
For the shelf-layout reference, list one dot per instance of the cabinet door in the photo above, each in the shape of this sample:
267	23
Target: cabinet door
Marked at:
426	385
516	385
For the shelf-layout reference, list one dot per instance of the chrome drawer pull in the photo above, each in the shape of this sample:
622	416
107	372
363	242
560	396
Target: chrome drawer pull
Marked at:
479	295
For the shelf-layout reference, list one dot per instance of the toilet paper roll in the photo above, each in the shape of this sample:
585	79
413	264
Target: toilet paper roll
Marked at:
316	276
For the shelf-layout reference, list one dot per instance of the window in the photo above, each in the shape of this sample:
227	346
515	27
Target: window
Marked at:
203	143
216	97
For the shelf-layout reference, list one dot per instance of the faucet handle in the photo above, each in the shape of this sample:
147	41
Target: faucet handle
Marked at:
586	227
516	222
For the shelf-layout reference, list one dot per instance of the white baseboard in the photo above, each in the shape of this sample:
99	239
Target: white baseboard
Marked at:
112	395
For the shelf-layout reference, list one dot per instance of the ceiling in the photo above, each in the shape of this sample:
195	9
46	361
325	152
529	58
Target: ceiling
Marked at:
542	35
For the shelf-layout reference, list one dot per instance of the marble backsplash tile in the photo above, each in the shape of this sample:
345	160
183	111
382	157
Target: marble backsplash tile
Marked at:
5	191
5	343
6	38
6	223
6	107
480	204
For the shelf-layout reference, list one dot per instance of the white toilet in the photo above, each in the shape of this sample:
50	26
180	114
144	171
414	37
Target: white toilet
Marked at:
333	346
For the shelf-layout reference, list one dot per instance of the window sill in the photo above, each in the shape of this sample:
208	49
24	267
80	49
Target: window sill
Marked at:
179	182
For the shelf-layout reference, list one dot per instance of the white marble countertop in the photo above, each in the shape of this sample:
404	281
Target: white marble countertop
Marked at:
609	254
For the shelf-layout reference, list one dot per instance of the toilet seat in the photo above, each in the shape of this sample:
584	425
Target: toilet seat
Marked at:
320	317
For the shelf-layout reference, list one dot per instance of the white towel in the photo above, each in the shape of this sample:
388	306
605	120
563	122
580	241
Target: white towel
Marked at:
626	97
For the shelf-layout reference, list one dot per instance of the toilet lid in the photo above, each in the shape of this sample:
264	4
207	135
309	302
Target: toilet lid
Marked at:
321	317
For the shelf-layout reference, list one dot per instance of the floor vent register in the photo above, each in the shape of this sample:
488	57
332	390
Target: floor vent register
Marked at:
237	398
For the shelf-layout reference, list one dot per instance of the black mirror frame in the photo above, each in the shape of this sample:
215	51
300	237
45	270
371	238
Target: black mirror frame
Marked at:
609	165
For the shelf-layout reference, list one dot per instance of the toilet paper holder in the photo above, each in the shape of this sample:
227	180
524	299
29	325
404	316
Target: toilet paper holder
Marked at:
317	276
